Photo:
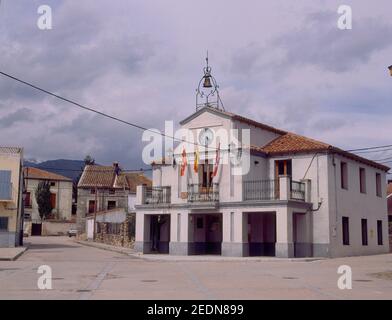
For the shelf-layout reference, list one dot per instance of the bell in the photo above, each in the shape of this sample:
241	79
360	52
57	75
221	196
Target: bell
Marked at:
207	82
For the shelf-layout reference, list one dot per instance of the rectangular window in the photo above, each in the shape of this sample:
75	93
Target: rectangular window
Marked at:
379	233
5	185
112	191
3	223
52	184
111	205
91	206
92	191
378	185
53	200
345	227
27	202
362	180
343	175
364	232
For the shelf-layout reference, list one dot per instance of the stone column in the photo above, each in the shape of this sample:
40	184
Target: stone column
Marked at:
284	188
235	234
142	234
140	195
284	247
179	240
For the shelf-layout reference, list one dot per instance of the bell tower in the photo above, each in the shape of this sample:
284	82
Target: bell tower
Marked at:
207	93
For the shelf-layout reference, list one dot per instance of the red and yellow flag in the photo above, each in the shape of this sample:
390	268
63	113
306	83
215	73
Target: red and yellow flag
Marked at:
184	163
196	162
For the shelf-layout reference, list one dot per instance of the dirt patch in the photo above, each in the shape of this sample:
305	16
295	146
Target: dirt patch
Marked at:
385	275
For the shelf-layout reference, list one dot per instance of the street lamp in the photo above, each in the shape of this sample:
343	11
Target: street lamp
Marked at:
390	69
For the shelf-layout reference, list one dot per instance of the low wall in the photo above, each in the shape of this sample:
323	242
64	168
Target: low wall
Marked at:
117	234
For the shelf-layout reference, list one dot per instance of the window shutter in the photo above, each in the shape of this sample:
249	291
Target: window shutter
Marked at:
5	184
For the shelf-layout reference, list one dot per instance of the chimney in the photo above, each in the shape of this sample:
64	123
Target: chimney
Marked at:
116	168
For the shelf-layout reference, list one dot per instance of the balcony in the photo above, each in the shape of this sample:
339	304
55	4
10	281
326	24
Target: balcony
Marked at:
260	190
200	193
297	191
279	189
6	192
157	195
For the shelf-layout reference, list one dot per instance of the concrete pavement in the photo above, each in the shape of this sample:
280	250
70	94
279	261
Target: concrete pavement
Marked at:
81	272
11	254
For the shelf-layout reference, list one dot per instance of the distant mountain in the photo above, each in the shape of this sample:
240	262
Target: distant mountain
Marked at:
67	168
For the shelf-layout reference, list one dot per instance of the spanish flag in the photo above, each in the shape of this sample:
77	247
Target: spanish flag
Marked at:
196	163
184	162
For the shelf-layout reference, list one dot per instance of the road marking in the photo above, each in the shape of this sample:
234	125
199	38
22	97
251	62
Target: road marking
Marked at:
95	284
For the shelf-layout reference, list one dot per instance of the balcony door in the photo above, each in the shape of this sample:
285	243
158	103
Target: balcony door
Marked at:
282	167
205	175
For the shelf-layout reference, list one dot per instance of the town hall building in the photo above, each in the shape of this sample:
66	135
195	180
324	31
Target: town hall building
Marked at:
298	197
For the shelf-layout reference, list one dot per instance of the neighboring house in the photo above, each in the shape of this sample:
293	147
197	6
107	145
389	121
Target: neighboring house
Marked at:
300	198
61	195
103	188
11	190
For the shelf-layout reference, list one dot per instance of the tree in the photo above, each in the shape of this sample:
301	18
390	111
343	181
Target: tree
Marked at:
42	195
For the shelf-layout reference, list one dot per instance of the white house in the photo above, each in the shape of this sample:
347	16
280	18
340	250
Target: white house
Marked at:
299	198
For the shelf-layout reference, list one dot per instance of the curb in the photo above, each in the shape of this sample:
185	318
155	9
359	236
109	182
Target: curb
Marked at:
138	255
16	256
106	247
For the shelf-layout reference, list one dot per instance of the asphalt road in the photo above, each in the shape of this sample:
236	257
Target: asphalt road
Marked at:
81	272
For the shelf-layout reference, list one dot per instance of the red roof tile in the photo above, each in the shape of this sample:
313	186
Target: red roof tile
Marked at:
39	174
95	176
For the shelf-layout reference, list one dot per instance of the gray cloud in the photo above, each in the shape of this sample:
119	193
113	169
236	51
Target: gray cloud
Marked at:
286	65
19	116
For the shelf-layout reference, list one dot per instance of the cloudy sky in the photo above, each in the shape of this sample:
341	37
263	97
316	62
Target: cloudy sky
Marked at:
284	63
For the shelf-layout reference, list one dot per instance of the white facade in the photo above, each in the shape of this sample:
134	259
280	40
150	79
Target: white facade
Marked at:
62	206
260	213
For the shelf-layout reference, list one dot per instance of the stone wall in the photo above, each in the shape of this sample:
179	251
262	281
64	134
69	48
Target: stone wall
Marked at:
117	234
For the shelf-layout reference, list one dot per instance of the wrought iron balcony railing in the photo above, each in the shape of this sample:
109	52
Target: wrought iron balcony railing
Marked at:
200	193
297	190
157	195
260	190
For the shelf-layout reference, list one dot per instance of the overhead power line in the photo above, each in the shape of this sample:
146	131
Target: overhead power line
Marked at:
136	125
92	170
103	114
370	148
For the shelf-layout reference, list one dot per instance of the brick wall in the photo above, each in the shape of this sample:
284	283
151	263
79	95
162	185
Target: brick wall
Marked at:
117	234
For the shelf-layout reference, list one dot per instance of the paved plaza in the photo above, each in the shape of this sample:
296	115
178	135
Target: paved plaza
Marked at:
85	272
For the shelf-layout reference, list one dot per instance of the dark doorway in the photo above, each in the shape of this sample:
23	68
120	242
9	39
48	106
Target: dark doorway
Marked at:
160	233
206	236
261	234
36	229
